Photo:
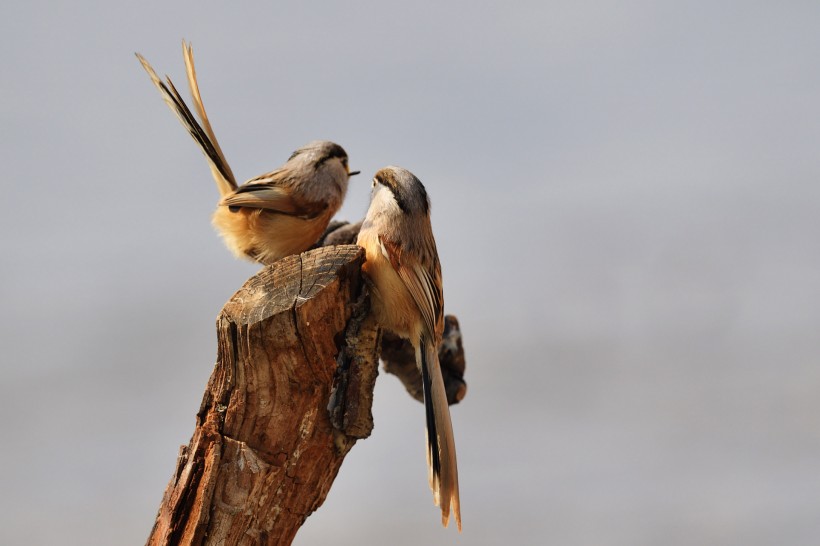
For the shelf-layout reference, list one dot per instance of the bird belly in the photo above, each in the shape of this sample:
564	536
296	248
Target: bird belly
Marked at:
266	237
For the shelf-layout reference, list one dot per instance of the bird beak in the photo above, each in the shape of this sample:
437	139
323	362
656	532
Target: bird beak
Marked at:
354	173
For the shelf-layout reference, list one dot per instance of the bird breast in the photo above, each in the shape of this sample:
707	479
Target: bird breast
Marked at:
391	302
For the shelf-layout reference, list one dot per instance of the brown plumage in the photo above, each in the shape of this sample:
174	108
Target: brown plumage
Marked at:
403	265
276	214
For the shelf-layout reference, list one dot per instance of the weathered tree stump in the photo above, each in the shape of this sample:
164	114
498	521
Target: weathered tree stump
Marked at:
290	394
264	453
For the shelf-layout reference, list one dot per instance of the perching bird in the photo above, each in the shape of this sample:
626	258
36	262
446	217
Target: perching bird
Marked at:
274	215
407	299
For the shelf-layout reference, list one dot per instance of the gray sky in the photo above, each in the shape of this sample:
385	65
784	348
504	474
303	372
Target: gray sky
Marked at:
625	199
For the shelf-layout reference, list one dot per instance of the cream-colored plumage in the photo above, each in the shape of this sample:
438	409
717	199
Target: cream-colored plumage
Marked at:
407	299
274	215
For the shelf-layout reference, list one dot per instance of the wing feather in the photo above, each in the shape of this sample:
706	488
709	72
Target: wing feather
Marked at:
420	272
273	198
423	280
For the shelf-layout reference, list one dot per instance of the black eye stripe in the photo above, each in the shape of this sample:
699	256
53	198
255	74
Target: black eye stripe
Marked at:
328	150
334	153
387	180
403	193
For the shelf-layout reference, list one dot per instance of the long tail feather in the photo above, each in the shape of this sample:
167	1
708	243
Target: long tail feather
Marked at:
220	170
441	448
188	55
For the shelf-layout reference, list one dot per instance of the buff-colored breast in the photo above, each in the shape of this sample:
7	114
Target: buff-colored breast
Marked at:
265	236
391	302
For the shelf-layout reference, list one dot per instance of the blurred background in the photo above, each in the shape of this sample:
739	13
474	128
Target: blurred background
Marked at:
625	198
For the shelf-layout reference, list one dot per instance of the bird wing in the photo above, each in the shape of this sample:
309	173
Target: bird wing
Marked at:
420	271
273	198
421	275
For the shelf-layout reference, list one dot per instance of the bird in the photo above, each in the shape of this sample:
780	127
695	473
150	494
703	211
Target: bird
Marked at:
407	298
277	214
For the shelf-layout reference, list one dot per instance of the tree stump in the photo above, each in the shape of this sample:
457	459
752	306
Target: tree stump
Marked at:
290	394
264	452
